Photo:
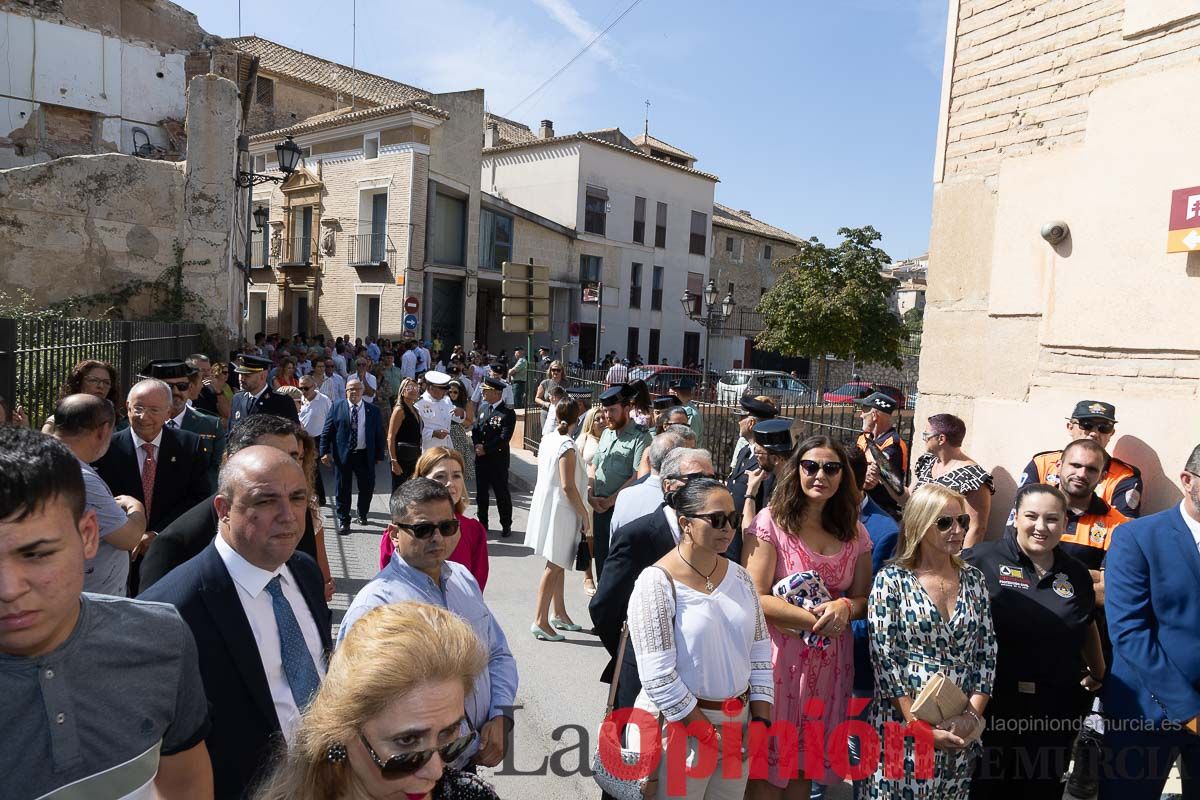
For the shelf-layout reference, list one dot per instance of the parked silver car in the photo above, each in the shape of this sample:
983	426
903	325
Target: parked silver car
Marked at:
782	388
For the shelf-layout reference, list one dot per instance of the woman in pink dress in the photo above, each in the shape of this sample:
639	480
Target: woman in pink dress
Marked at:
811	524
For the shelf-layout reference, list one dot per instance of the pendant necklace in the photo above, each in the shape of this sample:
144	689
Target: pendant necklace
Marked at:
708	584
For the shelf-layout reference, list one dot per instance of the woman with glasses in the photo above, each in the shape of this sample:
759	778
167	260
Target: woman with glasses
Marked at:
945	463
388	718
1048	650
697	629
99	379
404	433
461	420
810	526
929	613
445	466
558	517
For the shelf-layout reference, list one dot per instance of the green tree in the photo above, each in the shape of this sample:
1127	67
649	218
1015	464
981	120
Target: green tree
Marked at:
833	301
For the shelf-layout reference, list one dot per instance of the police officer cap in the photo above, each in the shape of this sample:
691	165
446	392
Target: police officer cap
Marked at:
495	383
775	435
498	367
167	369
683	384
580	392
880	402
1094	409
247	364
755	408
435	378
615	394
664	401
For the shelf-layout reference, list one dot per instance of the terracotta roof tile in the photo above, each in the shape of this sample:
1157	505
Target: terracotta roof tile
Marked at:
332	119
281	60
645	140
726	217
510	131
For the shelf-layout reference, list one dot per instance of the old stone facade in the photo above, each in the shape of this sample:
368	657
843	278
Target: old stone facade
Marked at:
81	225
1065	111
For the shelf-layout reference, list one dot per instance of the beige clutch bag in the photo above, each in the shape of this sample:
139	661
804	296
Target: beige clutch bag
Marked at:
939	700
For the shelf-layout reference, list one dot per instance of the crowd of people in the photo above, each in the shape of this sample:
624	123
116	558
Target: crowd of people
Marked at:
807	585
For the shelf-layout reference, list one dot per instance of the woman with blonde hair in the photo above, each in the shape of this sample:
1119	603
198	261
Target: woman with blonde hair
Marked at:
388	718
929	613
445	466
594	424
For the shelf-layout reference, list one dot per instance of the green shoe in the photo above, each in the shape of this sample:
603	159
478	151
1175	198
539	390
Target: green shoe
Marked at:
563	625
538	633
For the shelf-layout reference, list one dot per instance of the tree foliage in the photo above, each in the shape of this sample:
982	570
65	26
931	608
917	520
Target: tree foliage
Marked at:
834	301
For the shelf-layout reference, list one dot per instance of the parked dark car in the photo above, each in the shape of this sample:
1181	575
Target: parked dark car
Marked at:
857	390
658	377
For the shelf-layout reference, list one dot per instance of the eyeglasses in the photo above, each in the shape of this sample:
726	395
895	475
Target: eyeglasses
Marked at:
181	386
402	764
719	519
424	530
945	523
97	381
556	369
812	467
687	476
1088	425
927	435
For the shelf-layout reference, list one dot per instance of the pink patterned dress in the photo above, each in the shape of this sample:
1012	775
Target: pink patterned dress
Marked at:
804	673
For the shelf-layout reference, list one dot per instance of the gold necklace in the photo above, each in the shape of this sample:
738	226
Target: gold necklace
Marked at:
708	584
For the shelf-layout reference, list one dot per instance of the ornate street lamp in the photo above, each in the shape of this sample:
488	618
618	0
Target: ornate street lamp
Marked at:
287	155
711	316
261	215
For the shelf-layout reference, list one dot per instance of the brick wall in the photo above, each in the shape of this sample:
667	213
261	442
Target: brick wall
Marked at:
1023	70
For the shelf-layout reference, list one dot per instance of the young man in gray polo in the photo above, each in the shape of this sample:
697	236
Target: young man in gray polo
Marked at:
103	694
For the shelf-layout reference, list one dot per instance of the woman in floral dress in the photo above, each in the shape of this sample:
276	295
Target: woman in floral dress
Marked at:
810	525
929	612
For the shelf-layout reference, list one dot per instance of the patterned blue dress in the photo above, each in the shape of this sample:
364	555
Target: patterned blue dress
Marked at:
909	643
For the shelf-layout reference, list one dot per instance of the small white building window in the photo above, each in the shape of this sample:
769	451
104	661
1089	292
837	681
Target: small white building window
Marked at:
260	163
371	146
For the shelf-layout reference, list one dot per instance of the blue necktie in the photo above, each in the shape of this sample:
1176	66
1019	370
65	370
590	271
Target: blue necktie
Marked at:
353	427
298	665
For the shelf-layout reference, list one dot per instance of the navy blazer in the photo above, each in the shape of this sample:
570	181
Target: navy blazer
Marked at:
1152	600
338	439
180	481
245	738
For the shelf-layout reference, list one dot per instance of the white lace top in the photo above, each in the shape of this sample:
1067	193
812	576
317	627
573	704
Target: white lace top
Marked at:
710	646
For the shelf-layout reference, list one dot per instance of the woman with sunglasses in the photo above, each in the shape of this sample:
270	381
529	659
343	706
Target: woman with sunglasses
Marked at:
555	376
594	424
810	525
697	628
1049	656
404	433
929	613
388	719
944	462
461	420
445	466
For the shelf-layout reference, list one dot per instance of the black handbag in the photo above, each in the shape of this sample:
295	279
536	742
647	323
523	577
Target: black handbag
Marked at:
583	556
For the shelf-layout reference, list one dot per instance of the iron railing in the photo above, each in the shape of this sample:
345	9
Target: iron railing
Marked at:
370	249
37	356
299	251
260	256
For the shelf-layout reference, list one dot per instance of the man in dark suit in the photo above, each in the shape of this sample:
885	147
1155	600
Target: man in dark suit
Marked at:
184	380
166	469
354	443
1152	692
256	610
491	433
256	396
635	546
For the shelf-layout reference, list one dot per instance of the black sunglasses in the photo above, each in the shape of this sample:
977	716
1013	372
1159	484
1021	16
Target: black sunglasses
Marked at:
1088	425
687	476
403	764
719	519
811	467
944	523
423	530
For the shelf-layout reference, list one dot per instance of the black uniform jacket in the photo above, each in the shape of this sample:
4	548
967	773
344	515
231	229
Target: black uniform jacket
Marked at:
268	402
494	428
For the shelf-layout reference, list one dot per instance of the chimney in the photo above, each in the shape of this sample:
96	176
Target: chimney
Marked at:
547	129
491	136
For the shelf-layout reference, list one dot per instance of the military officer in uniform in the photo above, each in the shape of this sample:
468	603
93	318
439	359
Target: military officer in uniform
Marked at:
256	396
491	433
683	388
183	380
753	411
614	465
435	410
772	449
1120	482
877	410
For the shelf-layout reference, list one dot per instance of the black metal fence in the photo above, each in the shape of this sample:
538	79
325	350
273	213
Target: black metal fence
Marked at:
36	356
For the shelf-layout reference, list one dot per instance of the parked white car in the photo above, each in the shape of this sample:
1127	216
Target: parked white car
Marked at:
783	389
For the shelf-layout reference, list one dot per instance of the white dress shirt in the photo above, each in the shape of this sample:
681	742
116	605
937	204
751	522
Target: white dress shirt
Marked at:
673	523
179	419
339	363
141	454
1192	525
434	415
408	364
313	413
333	387
360	435
251	583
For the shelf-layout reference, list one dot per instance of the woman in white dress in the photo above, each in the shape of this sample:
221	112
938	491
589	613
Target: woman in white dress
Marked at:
558	514
594	424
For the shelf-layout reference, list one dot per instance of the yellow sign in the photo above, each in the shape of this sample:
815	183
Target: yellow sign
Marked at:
1183	241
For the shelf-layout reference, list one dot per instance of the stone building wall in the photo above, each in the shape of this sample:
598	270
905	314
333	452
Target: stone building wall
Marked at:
1067	110
81	225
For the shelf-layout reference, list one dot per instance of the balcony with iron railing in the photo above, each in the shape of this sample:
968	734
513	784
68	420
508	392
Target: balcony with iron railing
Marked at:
260	255
299	251
742	322
370	250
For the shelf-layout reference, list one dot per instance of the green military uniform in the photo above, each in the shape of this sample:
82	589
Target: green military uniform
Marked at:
212	436
617	458
695	422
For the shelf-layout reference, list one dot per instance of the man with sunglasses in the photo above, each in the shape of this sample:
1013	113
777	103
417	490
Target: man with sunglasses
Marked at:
184	381
425	532
1120	482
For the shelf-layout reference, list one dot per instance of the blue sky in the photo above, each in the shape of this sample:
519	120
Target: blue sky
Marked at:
814	113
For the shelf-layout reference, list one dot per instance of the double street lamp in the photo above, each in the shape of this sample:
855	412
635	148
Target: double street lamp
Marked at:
287	155
713	314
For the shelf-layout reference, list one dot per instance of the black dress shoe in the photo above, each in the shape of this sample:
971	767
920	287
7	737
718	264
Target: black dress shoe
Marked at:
363	521
505	533
344	529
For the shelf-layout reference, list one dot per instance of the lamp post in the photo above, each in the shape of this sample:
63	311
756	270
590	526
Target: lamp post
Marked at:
712	315
287	155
